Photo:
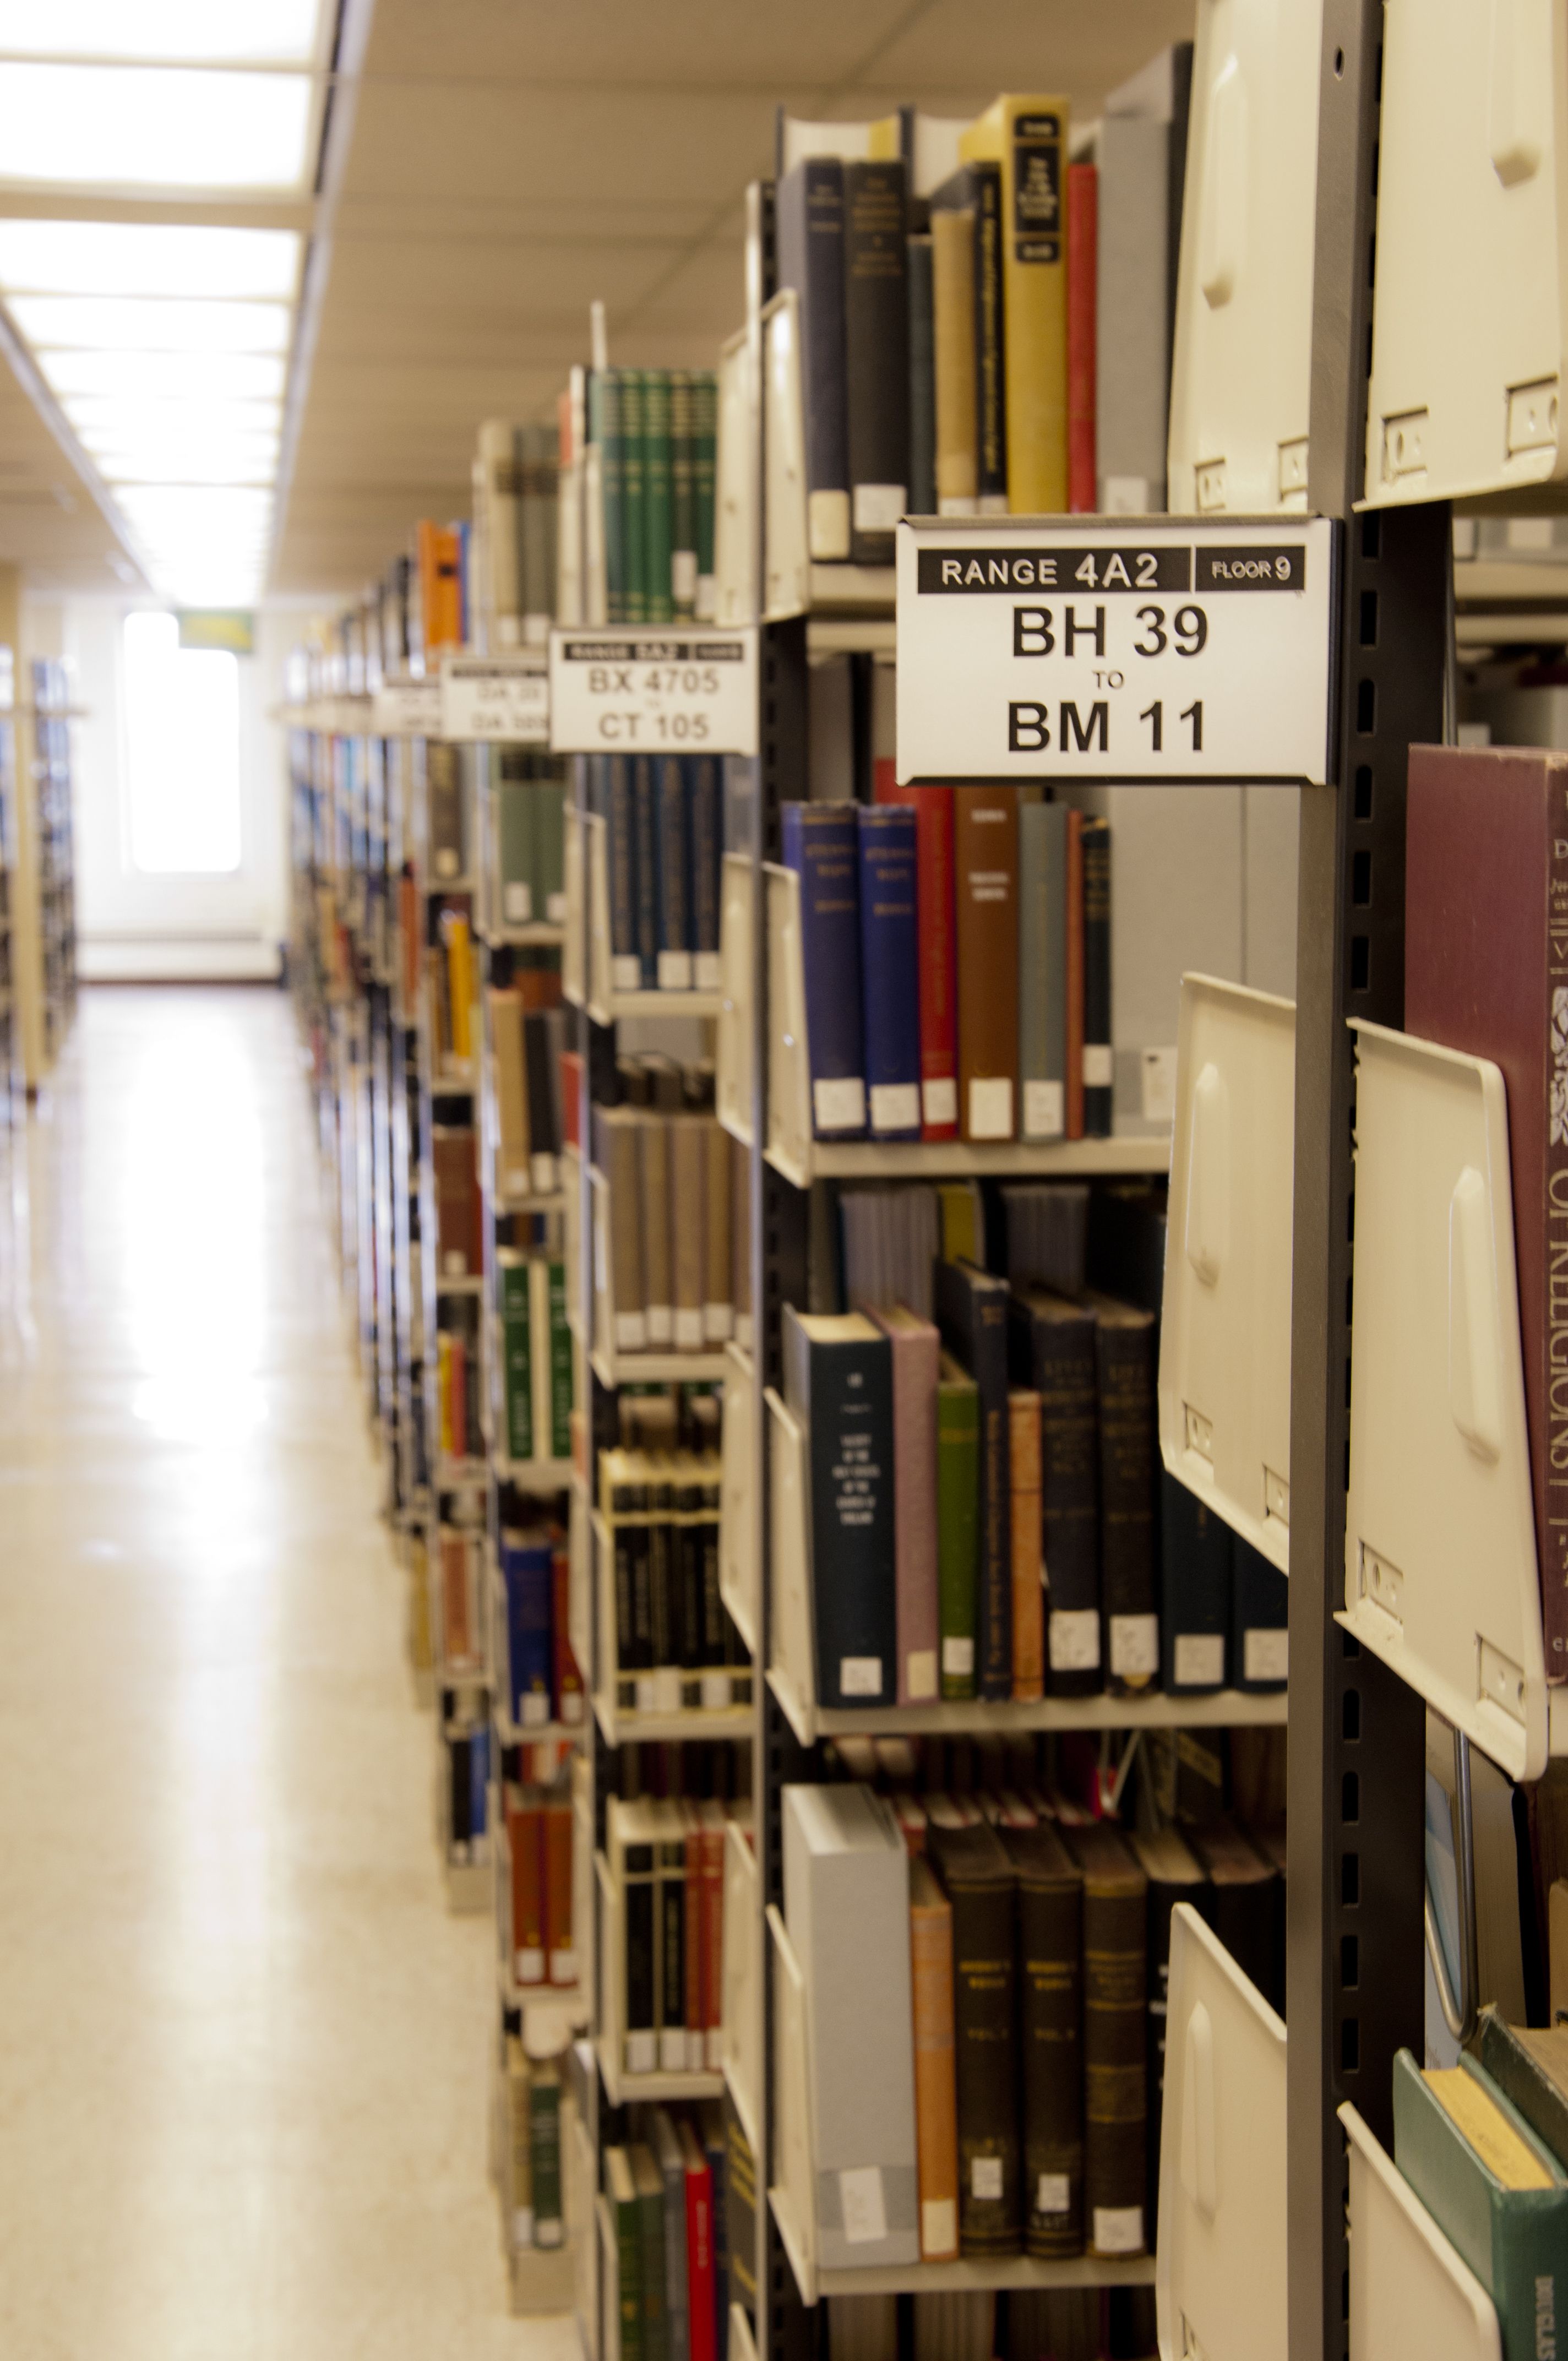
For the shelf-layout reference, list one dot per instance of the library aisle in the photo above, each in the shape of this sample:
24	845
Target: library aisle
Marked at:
243	2090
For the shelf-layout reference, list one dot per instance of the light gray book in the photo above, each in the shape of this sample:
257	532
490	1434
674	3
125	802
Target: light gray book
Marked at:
1042	969
1132	326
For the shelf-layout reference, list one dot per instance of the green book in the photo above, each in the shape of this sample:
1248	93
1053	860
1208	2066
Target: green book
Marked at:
705	464
514	844
550	851
1042	969
683	496
634	490
650	2184
626	2210
560	1366
605	428
1494	2189
656	491
958	1525
517	1351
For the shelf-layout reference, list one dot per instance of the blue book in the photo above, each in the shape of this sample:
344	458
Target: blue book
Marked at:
1260	1612
705	798
621	848
527	1571
645	836
821	844
479	1785
673	822
890	974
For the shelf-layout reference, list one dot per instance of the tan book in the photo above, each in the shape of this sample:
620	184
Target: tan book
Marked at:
658	1274
718	1298
740	1241
1557	1941
618	1152
512	1169
936	2088
688	1177
985	863
1028	1570
952	308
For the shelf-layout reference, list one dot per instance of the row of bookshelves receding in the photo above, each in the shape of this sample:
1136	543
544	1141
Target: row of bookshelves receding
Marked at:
661	1712
587	961
789	1144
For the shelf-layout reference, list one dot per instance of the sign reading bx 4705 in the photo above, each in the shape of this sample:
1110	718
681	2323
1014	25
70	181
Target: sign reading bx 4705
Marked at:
1141	648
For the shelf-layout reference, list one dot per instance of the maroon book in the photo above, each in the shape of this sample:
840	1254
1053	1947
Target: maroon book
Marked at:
1486	971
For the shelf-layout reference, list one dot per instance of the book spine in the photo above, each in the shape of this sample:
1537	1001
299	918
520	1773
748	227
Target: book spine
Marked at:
936	954
852	1546
820	843
915	1356
986	2042
922	380
957	1534
1115	1995
705	450
1082	267
1098	1070
620	853
1033	274
1259	1633
936	2088
460	984
645	829
705	799
683	496
674	959
539	1320
629	2276
673	2019
985	853
1028	1594
995	1603
889	969
560	1348
1195	1586
1041	1110
605	397
717	1308
566	1698
1127	1458
810	224
544	2159
656	467
876	356
1073	994
530	1574
1550	1469
688	1165
989	344
953	341
1063	1374
1050	1966
525	1836
699	2263
634	489
713	1948
517	1338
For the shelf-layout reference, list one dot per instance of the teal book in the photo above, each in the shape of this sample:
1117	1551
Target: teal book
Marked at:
704	471
634	489
605	428
658	607
958	1525
517	1353
683	496
1494	2189
1042	969
514	847
560	1366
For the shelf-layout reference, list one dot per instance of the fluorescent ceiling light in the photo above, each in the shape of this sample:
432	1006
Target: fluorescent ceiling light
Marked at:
175	376
79	257
148	324
221	466
94	414
153	127
269	32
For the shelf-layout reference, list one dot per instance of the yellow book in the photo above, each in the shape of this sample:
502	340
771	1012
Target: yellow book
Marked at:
460	983
952	306
1028	138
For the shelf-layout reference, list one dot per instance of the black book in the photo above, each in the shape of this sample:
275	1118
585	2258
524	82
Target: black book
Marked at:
990	341
971	1313
980	1883
876	353
458	1752
1052	1350
922	382
1125	1341
1195	1583
838	1373
662	1601
1260	1615
808	214
1176	186
1124	1255
1175	1874
1050	2015
1244	1898
1098	1069
543	1134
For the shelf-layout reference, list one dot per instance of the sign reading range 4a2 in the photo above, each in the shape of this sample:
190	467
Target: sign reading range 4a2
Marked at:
1144	649
667	688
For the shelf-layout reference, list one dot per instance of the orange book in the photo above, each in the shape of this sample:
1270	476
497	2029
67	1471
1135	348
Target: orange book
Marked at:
1075	975
560	1951
525	1835
936	2085
440	586
1028	1584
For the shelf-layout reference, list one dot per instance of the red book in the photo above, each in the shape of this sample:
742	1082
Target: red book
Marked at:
571	1087
1082	270
1075	975
560	1951
938	955
701	2296
1486	971
568	1680
525	1836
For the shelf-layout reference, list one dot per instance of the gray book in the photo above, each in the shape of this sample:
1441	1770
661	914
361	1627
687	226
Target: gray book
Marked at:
1042	969
671	2161
658	1272
1132	326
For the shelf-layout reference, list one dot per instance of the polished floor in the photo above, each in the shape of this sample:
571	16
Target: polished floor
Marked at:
243	2047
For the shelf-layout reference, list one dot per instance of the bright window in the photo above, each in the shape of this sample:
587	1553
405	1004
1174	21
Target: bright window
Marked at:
181	750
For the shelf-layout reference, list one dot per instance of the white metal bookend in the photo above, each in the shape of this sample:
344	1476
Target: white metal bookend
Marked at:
1413	2298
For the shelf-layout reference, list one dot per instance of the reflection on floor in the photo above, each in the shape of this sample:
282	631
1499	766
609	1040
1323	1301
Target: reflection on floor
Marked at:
243	2047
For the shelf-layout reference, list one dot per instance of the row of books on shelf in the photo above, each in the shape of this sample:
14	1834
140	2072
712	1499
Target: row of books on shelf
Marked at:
528	801
539	1830
677	1209
534	2180
667	2189
1070	2323
663	843
675	1644
956	947
459	1384
665	1857
516	471
985	1986
987	1515
543	1683
654	431
536	1354
533	1075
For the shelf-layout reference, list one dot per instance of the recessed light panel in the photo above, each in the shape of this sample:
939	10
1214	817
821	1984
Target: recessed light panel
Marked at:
152	126
148	324
193	32
83	257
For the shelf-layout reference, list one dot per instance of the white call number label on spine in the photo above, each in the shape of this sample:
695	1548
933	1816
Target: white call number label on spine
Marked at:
1116	648
498	700
670	690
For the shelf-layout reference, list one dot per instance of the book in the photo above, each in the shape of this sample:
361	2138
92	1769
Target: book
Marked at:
820	842
705	439
527	1562
985	880
704	794
649	2186
457	1222
889	969
838	1380
1196	1579
936	2088
566	1679
958	1525
612	773
617	1146
659	606
645	829
519	2185
1052	1348
1492	2186
517	1351
1126	1344
1485	970
621	2196
447	809
915	1352
1082	292
922	379
967	210
539	469
1098	1071
1026	138
809	224
1174	1874
545	2152
1116	2075
876	353
1260	1618
1073	976
664	2144
935	951
980	1885
1042	938
1050	2016
683	495
1530	2066
658	1267
674	971
1131	312
702	2324
971	1313
525	1841
953	346
1024	1538
688	1170
1243	1894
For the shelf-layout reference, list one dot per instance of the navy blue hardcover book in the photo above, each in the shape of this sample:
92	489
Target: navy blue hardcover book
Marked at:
808	214
821	844
675	968
614	779
1195	1590
645	834
704	809
479	1779
527	1571
838	1381
889	969
1259	1616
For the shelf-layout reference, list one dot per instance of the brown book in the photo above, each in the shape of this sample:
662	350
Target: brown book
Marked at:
1244	1899
617	1153
978	1881
1116	2069
985	875
1028	1573
935	2090
741	1239
457	1226
540	987
688	1257
718	1303
653	1203
459	1596
1486	957
525	1838
560	1948
512	1168
952	309
1050	2010
1074	995
916	1354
